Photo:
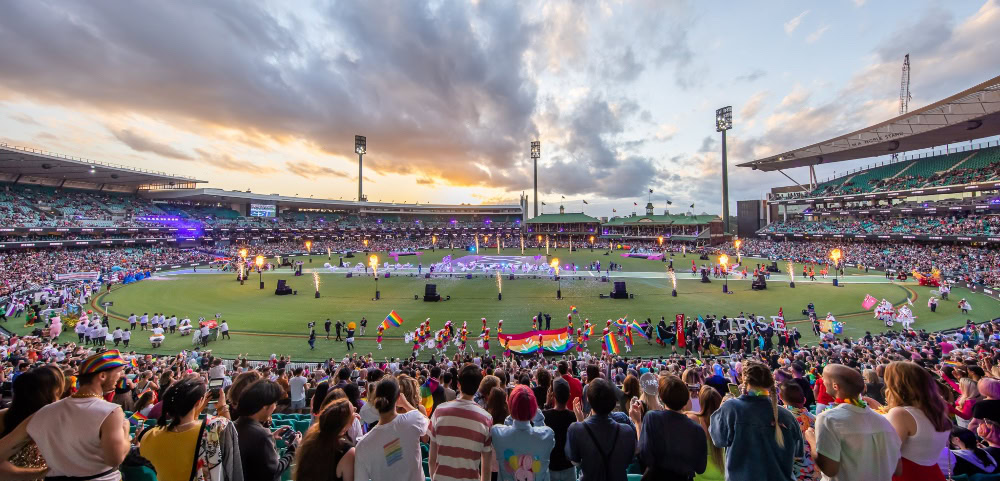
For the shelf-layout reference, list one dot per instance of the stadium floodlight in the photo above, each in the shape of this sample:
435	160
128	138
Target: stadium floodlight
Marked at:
536	153
724	122
360	148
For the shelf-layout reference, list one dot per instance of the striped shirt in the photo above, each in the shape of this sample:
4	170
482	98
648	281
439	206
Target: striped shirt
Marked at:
461	431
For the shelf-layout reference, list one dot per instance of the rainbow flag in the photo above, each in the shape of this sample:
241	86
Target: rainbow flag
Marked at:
611	343
392	320
555	340
621	322
137	419
573	309
134	363
635	326
954	363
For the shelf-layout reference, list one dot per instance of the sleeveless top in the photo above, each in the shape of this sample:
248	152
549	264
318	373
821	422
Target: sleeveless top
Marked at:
67	433
171	453
925	446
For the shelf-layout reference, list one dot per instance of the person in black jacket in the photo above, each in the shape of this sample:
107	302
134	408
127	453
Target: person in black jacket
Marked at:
257	450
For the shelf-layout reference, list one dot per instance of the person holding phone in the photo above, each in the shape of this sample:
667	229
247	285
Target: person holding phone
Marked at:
258	453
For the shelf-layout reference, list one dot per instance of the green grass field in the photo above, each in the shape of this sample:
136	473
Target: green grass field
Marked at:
262	323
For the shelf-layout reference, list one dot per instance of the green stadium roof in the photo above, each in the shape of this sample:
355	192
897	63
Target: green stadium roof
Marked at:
567	218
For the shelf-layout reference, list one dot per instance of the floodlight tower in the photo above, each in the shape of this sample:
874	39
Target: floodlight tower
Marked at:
904	87
360	148
536	152
724	122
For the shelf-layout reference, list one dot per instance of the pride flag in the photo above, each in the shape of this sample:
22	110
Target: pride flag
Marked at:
611	344
555	340
137	419
392	320
621	322
868	302
635	326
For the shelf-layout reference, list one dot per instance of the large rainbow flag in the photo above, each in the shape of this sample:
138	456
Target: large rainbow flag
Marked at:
392	320
611	343
555	340
635	326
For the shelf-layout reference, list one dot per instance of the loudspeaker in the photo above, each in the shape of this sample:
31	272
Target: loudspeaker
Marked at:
704	276
620	292
350	274
427	275
430	293
468	276
283	288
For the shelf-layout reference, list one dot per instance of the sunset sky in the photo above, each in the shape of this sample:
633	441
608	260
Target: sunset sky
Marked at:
622	94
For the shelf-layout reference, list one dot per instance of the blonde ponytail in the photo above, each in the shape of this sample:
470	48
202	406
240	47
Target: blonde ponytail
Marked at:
778	435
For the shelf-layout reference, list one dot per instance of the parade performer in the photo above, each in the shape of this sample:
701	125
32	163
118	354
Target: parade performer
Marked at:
604	345
465	337
964	306
484	327
499	328
486	340
586	332
378	339
628	340
534	323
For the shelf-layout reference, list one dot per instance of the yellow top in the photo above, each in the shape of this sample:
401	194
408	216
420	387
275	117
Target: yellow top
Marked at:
171	453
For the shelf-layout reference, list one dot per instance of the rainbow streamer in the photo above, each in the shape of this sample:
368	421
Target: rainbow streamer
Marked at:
635	326
611	344
555	340
392	320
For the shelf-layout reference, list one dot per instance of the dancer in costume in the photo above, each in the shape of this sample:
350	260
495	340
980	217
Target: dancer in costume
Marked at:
378	339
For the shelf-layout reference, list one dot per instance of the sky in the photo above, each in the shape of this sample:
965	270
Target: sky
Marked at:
268	96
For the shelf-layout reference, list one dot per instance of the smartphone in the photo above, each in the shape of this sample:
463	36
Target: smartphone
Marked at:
734	390
214	389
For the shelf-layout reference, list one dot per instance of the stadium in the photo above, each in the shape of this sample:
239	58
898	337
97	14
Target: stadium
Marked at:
186	242
190	288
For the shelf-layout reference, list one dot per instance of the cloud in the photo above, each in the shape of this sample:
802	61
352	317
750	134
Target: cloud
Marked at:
936	27
440	89
227	162
798	96
794	23
817	34
140	143
628	68
666	132
751	76
708	144
23	118
860	3
310	170
753	105
424	181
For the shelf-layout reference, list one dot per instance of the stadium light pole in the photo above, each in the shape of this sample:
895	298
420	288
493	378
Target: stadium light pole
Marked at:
724	122
536	152
360	148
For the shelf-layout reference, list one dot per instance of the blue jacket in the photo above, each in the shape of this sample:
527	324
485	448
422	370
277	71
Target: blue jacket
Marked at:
523	451
745	427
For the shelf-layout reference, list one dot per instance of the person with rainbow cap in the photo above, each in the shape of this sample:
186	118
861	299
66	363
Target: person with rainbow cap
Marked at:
82	436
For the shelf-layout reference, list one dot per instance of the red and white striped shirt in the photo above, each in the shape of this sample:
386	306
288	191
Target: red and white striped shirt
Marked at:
461	431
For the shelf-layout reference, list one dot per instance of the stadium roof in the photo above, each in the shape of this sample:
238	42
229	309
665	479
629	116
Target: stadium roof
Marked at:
968	115
669	219
21	161
567	218
220	195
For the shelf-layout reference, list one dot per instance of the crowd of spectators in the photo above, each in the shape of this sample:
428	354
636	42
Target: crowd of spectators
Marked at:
898	405
973	225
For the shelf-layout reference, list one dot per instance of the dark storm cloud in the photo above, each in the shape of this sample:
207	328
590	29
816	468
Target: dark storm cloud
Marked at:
437	89
140	143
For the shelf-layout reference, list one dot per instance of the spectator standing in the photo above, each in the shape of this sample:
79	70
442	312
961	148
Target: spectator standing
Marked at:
575	386
761	440
189	448
920	416
461	442
32	390
795	401
258	453
602	447
391	450
850	441
82	436
297	391
666	459
325	453
559	418
523	449
709	399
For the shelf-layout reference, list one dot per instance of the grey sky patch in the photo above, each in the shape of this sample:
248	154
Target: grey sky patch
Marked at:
140	143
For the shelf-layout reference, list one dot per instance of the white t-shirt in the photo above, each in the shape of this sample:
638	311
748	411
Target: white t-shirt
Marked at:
862	440
392	451
297	385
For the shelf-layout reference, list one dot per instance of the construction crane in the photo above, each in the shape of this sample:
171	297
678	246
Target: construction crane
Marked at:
904	87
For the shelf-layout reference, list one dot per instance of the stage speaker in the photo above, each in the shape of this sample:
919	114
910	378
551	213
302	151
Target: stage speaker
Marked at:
604	278
704	276
511	277
430	293
704	257
760	283
427	275
283	288
468	276
620	292
350	274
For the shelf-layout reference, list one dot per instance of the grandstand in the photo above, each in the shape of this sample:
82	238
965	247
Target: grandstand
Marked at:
940	195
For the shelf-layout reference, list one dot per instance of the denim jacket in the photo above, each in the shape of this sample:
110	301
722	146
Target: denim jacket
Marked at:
745	427
523	451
